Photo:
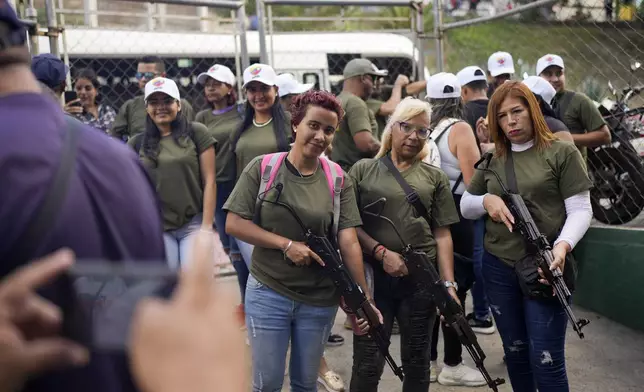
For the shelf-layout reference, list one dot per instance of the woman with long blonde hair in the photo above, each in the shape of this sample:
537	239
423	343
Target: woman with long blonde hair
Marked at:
552	179
403	146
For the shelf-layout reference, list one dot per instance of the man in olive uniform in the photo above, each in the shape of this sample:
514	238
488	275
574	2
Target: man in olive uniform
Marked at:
500	68
356	138
575	109
131	117
382	109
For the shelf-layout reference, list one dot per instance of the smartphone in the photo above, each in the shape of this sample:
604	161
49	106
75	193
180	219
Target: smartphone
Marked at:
99	299
71	96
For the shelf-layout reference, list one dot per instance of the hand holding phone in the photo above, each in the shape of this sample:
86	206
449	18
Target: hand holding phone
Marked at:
73	104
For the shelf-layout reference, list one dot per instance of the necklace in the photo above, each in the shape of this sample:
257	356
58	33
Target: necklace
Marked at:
258	125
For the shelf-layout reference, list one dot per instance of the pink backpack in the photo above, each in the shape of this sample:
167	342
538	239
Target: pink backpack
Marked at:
334	175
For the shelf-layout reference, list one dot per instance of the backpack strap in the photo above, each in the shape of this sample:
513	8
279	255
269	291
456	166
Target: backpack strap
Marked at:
335	179
436	136
268	170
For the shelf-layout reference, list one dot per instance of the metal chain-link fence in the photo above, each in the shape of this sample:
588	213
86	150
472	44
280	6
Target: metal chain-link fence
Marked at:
387	32
602	45
110	37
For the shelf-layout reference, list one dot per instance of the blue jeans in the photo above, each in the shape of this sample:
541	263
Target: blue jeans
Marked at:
224	189
273	321
178	243
481	304
533	331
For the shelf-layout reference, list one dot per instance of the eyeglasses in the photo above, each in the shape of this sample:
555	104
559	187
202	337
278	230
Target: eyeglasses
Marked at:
146	75
422	132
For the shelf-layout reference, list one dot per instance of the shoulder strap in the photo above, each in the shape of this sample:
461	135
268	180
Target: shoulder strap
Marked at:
410	194
510	176
45	217
268	171
335	179
437	135
440	134
563	103
138	142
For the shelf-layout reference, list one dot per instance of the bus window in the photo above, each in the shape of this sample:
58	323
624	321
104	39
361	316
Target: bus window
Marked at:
311	77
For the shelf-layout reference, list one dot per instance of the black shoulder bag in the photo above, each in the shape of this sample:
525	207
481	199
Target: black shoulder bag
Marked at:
526	268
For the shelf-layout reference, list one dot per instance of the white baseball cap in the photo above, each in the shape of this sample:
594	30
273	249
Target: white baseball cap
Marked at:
220	73
260	73
500	63
470	74
548	60
443	85
540	86
162	85
287	84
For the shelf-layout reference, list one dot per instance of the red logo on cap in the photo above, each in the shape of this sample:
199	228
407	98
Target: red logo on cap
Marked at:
213	68
500	60
158	83
550	59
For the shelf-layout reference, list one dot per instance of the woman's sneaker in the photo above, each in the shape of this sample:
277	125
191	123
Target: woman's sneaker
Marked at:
335	340
433	371
461	375
331	381
485	327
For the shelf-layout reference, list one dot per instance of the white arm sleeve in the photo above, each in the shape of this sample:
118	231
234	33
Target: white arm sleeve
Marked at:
472	206
579	213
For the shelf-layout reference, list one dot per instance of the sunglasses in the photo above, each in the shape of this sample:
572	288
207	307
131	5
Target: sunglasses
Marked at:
408	129
146	75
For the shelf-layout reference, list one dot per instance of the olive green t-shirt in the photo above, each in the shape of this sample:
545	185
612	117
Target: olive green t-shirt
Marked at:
178	177
357	119
544	179
381	121
580	115
373	181
222	127
256	141
312	202
130	119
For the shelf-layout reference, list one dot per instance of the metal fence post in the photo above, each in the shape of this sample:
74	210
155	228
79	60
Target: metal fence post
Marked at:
52	27
263	55
243	43
438	33
419	41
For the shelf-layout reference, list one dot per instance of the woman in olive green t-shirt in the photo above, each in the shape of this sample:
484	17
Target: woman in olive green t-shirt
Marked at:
396	294
222	119
265	128
289	296
180	157
552	179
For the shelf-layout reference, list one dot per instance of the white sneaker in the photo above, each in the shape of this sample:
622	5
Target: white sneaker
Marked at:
331	381
460	375
433	371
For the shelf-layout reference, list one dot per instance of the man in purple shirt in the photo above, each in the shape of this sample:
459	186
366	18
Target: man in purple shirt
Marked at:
109	210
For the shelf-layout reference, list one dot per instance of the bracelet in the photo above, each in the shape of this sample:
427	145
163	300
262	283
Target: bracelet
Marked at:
288	246
384	253
375	249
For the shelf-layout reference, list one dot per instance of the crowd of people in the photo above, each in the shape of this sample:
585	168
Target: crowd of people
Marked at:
155	180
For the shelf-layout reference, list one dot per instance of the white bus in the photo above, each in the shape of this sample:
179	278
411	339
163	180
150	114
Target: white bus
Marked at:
312	57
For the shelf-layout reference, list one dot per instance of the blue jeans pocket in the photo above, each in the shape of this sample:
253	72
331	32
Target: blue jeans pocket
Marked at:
253	284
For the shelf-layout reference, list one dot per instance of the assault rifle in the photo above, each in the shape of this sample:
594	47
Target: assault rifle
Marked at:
352	295
422	271
526	226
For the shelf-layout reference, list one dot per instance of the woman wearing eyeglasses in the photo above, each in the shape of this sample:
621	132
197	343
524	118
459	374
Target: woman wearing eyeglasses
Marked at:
395	293
265	128
458	152
130	119
180	157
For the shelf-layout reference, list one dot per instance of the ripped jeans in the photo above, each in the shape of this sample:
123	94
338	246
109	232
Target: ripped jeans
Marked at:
273	321
415	313
533	331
